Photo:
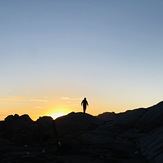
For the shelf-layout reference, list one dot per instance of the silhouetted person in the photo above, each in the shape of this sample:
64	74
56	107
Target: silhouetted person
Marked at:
85	104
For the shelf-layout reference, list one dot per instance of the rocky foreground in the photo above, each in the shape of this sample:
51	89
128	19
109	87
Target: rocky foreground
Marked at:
135	136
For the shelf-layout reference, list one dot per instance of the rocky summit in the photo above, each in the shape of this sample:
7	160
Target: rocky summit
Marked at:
134	136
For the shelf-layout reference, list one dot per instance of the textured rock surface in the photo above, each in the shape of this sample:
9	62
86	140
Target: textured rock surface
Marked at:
135	136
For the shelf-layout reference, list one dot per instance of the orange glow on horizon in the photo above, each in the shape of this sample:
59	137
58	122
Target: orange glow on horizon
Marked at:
57	112
56	115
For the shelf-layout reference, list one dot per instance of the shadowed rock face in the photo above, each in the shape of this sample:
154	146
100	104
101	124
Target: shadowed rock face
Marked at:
145	119
130	117
152	118
107	116
16	123
76	122
132	136
41	131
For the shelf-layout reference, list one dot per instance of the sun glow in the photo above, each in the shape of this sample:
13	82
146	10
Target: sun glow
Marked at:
56	115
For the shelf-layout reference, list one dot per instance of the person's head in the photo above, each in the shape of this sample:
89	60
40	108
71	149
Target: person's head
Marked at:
85	98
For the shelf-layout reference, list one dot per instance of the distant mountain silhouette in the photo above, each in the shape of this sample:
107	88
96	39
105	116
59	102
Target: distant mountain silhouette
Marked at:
130	137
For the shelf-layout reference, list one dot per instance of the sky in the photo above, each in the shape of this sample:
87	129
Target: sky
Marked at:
53	53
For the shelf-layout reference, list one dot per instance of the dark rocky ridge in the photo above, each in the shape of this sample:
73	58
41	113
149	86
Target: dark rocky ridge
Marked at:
135	136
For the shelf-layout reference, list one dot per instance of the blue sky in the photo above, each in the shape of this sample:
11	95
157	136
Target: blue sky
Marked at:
53	53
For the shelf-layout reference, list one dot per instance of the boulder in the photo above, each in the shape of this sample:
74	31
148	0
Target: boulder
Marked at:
15	123
41	131
47	128
76	122
129	118
152	118
107	116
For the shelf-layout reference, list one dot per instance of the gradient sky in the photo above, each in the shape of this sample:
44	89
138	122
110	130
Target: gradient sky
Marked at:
53	53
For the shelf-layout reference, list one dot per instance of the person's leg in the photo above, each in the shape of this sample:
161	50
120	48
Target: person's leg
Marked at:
84	109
